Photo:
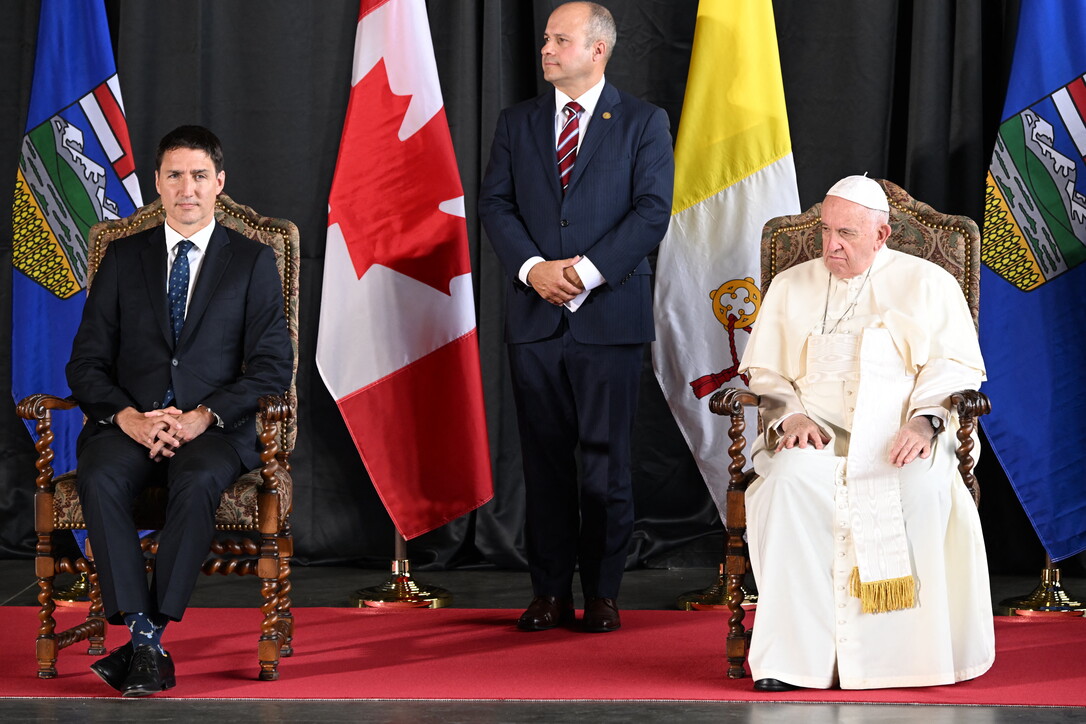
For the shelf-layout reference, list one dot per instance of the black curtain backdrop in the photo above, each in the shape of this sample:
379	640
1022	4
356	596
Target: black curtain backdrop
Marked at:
910	91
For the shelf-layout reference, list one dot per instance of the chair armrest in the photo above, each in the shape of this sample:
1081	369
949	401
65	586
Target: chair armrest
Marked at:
732	400
970	405
35	407
39	407
272	410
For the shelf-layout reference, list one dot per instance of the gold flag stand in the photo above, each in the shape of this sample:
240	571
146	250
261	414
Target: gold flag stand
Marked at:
1048	599
715	597
401	590
76	594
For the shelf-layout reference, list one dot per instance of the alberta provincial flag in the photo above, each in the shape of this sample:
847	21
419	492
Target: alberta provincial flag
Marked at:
733	172
397	345
1033	320
76	168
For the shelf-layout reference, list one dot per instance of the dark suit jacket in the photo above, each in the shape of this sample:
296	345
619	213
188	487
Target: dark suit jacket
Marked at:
615	212
234	347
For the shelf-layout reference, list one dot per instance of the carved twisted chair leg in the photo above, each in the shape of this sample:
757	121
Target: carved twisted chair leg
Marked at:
731	403
970	404
286	617
96	642
46	645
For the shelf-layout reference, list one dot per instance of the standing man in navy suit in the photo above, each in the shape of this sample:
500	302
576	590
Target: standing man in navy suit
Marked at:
182	333
576	195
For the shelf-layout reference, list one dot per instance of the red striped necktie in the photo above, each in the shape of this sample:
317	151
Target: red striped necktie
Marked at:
567	142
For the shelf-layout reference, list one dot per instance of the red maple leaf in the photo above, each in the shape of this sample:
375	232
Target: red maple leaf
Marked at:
386	192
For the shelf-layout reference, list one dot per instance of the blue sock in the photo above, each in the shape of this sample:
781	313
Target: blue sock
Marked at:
144	630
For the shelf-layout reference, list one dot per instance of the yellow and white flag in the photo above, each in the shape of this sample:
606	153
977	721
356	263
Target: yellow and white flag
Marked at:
733	172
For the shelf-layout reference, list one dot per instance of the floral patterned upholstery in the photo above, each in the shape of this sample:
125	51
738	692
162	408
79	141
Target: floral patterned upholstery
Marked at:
237	509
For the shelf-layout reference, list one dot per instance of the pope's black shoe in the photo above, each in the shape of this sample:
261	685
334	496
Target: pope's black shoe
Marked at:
113	669
150	673
773	685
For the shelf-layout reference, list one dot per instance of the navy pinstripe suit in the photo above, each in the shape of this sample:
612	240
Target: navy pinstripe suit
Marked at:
576	375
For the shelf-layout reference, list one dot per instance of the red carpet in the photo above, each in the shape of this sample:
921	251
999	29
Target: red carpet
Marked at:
343	653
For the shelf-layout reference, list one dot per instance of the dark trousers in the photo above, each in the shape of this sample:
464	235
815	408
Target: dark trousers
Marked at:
574	396
113	470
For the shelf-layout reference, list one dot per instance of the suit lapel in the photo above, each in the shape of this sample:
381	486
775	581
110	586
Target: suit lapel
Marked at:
154	277
604	118
542	131
216	260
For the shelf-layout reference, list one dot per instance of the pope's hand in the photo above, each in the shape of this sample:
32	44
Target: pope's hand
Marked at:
913	440
801	431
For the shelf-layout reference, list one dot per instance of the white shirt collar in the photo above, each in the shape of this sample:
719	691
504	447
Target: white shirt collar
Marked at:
588	100
200	239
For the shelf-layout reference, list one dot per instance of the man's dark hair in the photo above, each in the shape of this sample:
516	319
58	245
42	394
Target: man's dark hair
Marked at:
194	137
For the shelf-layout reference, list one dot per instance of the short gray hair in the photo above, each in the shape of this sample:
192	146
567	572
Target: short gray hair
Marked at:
600	26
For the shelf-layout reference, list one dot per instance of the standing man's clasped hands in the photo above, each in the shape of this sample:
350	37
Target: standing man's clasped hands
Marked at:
556	281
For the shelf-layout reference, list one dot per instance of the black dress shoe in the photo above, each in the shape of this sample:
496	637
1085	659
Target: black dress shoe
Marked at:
601	615
113	669
546	612
773	685
151	672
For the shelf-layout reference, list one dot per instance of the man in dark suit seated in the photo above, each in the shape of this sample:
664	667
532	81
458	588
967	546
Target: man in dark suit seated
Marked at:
576	195
182	333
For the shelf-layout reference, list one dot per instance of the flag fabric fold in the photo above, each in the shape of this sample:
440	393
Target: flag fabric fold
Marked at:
75	169
397	345
733	172
1032	320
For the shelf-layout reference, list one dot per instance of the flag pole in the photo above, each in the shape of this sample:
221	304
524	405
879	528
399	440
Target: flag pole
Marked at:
1048	599
400	589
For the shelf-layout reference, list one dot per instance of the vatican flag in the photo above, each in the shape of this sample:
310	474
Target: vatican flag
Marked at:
733	172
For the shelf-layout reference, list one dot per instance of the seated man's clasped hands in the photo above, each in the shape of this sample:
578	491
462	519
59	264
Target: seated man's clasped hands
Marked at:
163	431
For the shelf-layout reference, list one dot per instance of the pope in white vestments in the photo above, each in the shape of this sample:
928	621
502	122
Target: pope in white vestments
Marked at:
864	541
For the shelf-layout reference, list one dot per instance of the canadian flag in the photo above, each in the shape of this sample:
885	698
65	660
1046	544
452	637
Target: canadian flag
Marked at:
397	345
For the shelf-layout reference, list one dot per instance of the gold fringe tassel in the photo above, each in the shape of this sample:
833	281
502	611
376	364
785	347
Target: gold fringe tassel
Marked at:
891	594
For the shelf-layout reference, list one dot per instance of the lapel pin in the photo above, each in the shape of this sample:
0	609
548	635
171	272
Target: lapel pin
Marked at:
606	115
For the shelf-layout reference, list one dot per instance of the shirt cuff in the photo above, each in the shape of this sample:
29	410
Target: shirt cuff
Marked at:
589	274
527	267
574	304
590	277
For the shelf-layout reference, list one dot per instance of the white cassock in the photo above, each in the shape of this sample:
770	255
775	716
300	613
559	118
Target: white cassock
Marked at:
861	357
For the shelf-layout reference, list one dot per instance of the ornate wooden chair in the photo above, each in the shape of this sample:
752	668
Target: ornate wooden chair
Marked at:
258	503
952	242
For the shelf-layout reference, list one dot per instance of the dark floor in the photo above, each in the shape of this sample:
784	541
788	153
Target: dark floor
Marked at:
642	589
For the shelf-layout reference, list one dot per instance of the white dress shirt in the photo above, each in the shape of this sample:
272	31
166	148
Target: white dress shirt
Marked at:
199	240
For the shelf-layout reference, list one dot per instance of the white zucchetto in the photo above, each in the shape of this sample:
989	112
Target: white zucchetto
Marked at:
861	190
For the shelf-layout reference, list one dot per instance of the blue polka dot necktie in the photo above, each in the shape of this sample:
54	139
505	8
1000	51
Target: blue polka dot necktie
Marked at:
177	293
179	288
